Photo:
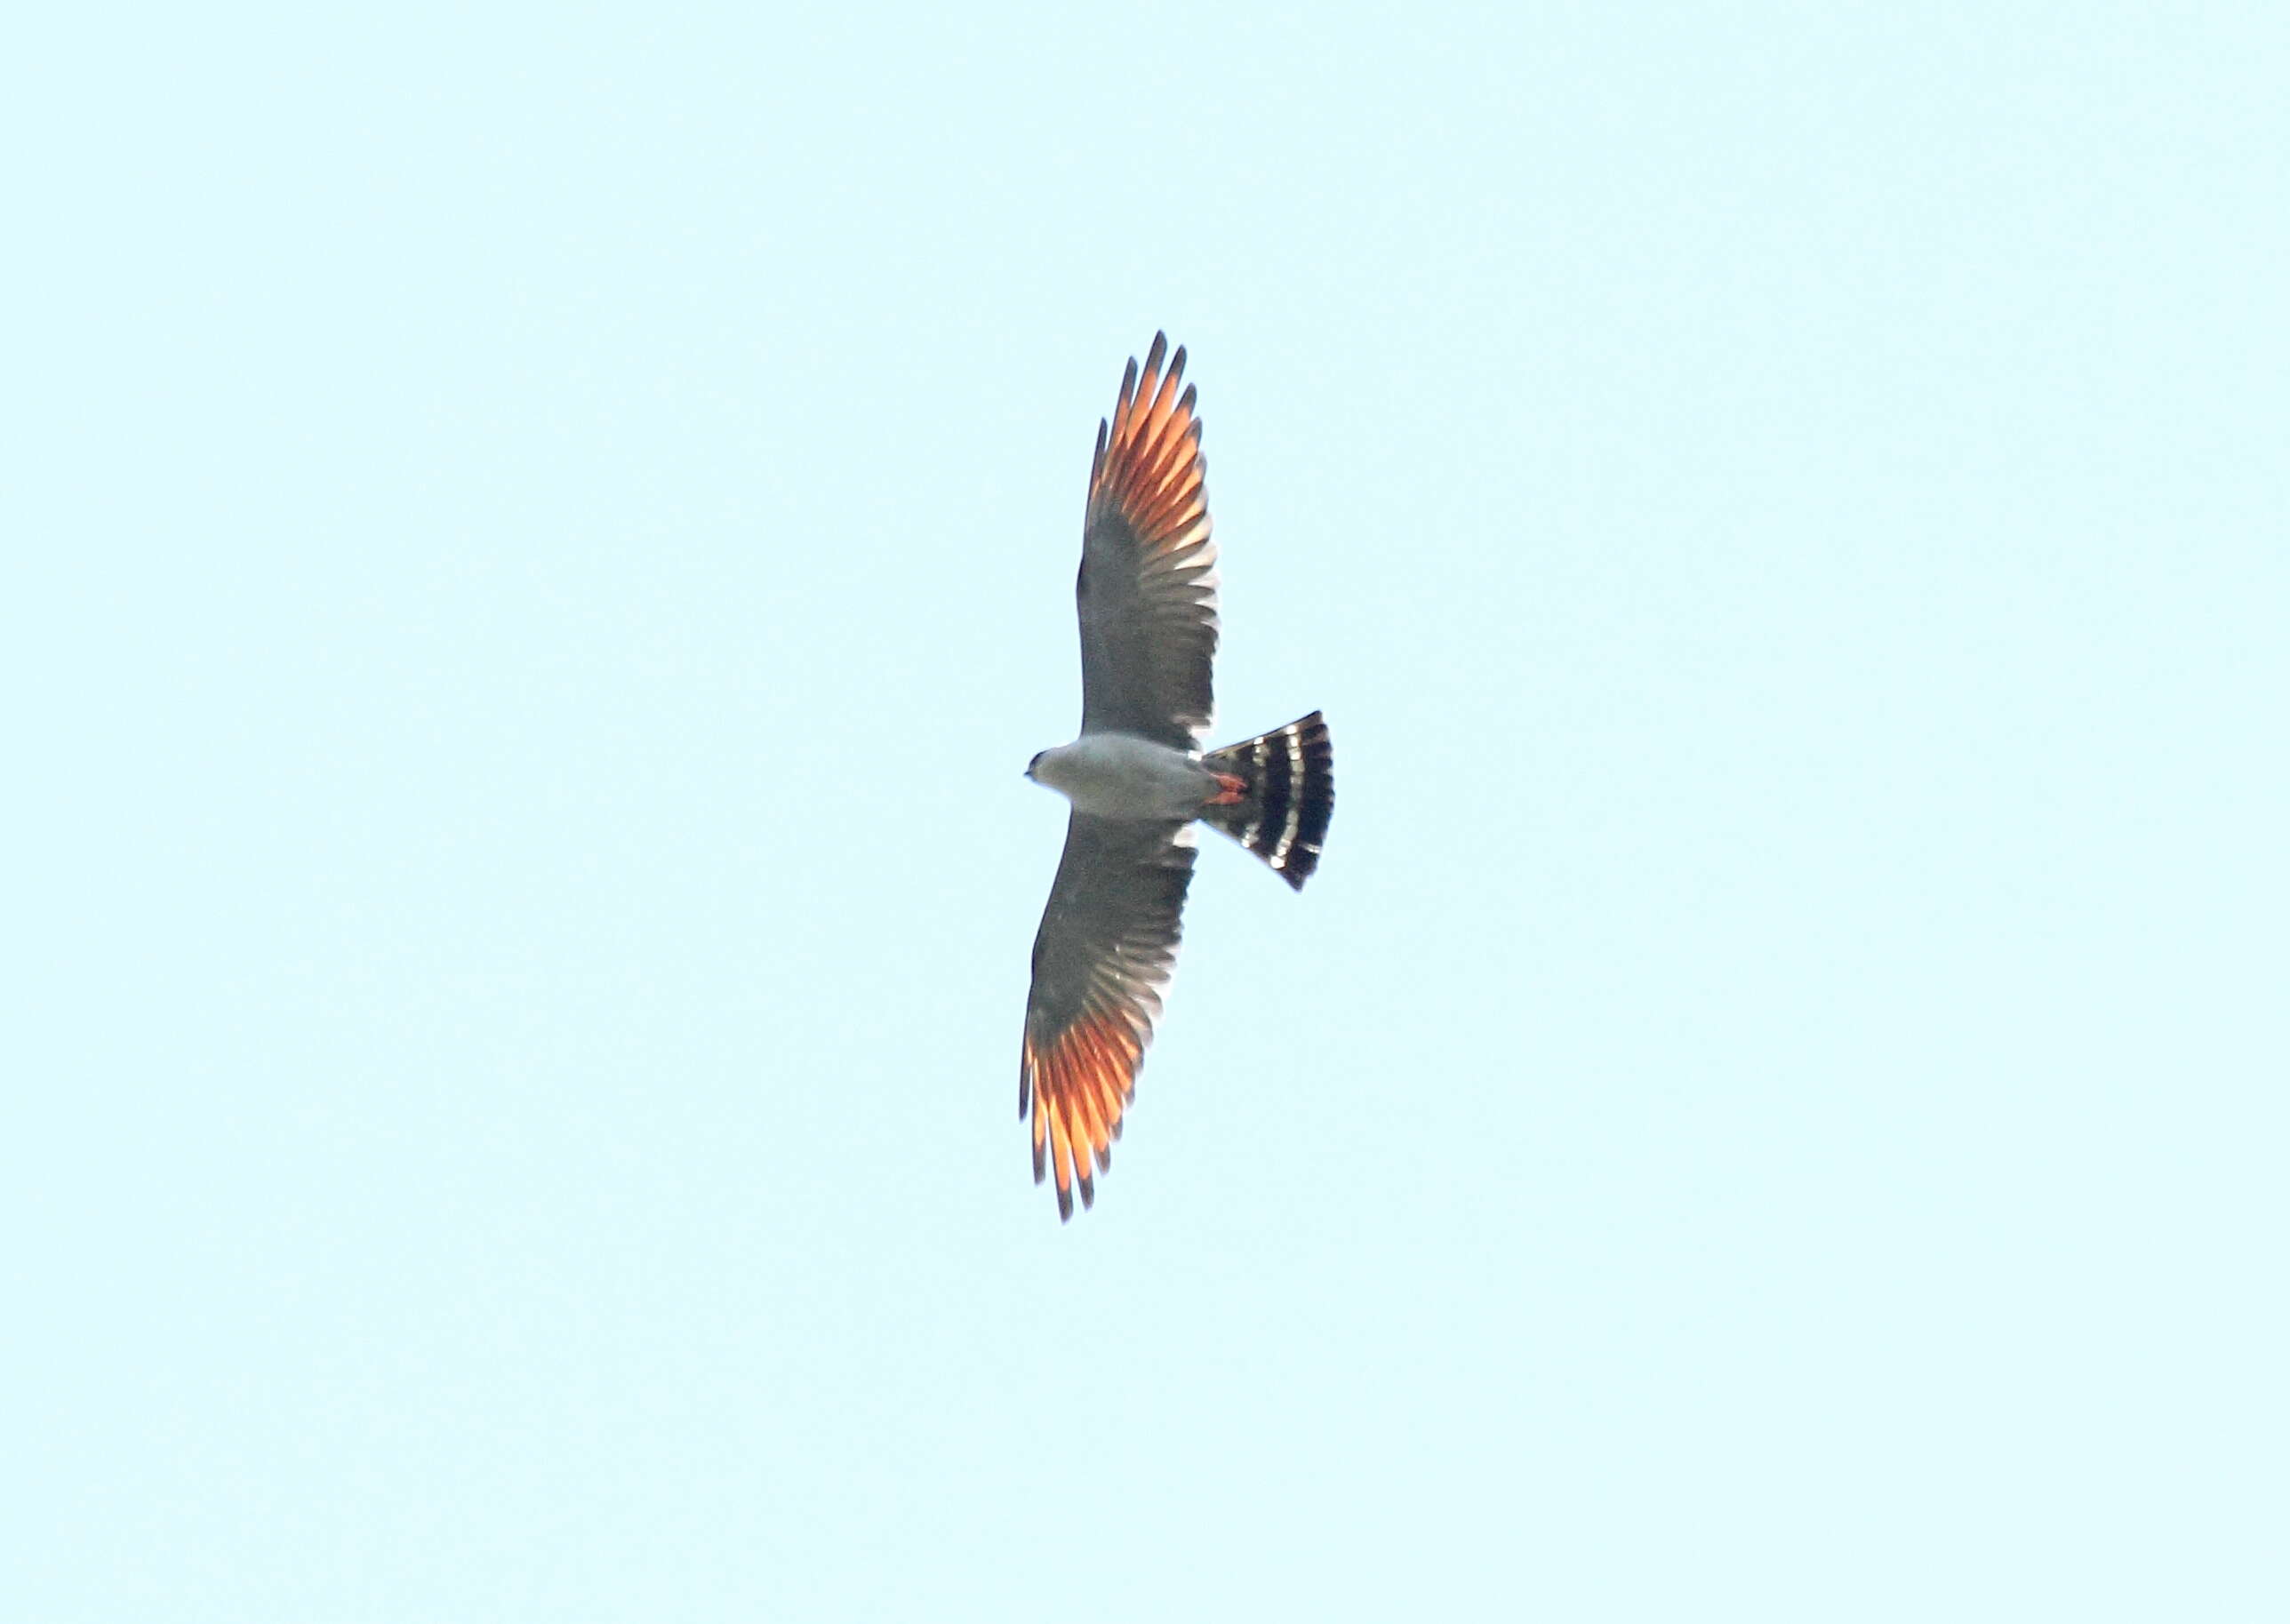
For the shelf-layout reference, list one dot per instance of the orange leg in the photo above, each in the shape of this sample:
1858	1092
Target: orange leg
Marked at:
1229	790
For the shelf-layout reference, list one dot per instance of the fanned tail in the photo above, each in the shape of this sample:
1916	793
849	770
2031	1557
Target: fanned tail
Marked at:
1288	795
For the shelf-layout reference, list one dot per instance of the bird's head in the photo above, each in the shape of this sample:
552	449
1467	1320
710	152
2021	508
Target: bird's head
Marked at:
1032	765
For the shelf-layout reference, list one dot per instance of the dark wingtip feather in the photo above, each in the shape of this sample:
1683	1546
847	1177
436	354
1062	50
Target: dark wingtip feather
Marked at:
1065	1205
1153	356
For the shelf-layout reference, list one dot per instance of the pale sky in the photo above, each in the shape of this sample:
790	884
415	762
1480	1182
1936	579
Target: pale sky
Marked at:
540	544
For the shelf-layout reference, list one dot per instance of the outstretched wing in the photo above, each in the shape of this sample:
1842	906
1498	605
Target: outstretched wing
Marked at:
1101	961
1147	592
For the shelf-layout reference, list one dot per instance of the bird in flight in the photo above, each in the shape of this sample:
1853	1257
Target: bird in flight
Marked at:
1137	780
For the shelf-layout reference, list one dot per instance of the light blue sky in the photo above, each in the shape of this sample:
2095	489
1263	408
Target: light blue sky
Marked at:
538	548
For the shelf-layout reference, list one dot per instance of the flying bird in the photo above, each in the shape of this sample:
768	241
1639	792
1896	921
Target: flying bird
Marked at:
1137	780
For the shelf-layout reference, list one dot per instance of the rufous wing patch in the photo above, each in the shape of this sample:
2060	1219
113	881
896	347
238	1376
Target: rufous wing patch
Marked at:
1081	1081
1148	465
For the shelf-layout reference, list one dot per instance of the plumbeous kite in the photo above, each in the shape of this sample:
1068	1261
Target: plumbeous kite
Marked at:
1137	779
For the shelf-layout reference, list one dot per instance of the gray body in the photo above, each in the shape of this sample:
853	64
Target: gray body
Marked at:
1120	775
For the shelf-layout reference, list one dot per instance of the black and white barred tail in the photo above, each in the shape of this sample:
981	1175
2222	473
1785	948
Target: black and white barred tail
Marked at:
1283	813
